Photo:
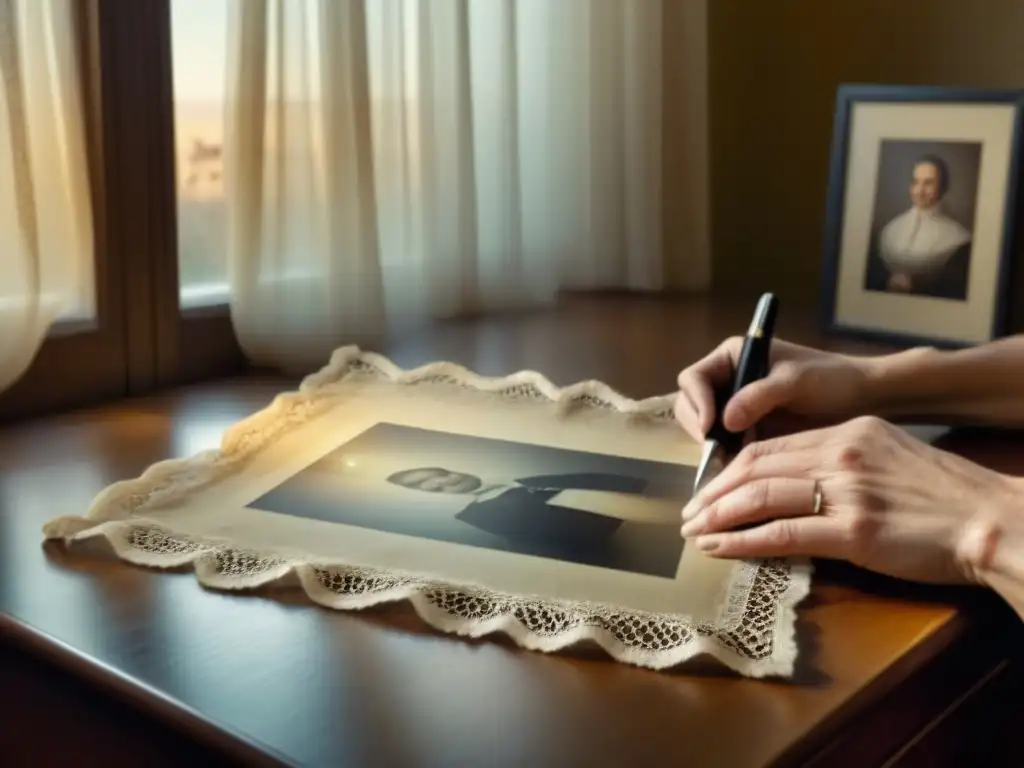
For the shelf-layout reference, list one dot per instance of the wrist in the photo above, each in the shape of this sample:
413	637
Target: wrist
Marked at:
897	383
990	540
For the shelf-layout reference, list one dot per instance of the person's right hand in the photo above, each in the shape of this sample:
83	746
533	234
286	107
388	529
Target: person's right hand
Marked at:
804	388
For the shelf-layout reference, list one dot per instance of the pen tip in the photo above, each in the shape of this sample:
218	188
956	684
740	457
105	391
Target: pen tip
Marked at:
707	456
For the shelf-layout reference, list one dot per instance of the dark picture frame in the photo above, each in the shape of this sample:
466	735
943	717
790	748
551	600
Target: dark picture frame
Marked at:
891	273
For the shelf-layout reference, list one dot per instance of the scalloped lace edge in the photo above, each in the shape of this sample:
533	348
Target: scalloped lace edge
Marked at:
117	515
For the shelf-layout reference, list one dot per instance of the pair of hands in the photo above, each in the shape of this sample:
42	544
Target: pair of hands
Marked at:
888	502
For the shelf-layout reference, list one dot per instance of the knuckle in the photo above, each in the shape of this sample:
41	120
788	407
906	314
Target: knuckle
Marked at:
857	439
868	426
849	457
787	371
712	516
780	534
751	452
743	464
756	495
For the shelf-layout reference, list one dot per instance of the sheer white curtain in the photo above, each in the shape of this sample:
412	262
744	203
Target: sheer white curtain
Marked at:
390	161
46	240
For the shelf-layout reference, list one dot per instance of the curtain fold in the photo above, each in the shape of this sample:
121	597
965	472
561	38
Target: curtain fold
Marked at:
395	161
46	236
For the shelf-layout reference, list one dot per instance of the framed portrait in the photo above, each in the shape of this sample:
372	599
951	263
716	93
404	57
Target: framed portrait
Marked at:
922	199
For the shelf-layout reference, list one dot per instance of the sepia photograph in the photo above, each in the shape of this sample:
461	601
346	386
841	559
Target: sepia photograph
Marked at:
447	478
573	506
921	204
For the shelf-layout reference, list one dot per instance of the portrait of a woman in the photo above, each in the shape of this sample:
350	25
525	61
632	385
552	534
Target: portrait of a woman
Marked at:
925	249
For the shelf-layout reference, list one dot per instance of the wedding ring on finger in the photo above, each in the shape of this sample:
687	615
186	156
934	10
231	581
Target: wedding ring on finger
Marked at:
816	500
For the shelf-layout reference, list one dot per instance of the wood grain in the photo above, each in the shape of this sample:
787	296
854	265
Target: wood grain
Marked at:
271	678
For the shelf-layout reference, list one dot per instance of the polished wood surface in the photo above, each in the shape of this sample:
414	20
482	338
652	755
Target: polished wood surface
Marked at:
272	678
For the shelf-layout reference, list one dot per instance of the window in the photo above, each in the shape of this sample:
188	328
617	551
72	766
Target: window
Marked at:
199	53
145	320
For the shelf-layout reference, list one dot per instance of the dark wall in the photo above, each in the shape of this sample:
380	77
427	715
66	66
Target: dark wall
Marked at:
774	69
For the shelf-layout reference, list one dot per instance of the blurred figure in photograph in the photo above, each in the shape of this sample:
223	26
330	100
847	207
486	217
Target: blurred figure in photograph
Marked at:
578	511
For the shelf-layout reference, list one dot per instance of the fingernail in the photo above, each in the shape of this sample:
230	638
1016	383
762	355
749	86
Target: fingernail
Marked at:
692	527
707	543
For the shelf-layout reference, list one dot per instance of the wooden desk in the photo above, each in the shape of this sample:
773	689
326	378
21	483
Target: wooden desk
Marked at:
171	669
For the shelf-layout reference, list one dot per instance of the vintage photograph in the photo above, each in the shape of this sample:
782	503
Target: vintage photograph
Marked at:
923	218
573	506
922	200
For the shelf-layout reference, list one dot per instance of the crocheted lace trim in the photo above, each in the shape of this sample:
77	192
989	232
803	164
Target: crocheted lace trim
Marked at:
753	634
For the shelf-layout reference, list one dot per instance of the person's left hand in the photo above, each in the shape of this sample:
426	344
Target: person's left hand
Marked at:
888	502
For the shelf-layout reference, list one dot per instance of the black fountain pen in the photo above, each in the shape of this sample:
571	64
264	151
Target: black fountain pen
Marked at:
720	444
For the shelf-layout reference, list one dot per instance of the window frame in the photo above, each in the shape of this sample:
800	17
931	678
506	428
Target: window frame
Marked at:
141	339
82	361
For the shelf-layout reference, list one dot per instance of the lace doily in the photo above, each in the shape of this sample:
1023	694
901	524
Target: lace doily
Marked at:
753	634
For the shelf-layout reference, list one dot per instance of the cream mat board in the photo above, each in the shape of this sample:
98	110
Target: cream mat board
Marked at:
492	505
